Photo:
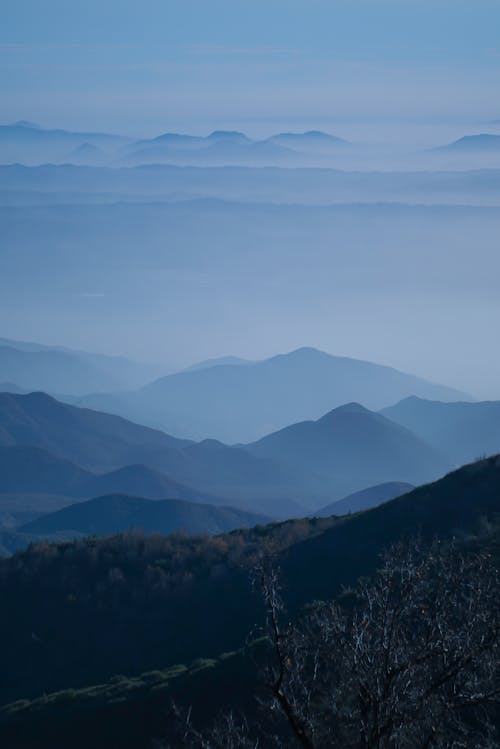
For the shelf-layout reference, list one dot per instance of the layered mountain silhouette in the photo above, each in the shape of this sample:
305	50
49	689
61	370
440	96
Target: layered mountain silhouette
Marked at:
312	140
462	431
116	513
365	499
242	403
103	443
351	448
29	143
33	366
82	453
26	469
96	441
232	148
49	184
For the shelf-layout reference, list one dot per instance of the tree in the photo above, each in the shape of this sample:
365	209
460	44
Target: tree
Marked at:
407	660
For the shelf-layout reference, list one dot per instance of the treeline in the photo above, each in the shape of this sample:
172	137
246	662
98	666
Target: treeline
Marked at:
82	611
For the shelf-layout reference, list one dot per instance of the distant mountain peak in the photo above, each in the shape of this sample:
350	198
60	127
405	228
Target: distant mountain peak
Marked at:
228	134
87	148
353	408
348	408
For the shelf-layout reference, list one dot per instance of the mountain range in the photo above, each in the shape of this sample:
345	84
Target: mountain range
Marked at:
303	384
55	369
462	431
51	447
33	470
29	143
351	448
62	184
229	147
129	456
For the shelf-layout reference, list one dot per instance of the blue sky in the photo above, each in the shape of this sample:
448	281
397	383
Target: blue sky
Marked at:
194	65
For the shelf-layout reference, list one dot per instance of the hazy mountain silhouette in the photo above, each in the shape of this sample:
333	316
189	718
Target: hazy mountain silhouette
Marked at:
100	443
93	440
351	448
468	143
69	183
27	143
141	481
218	362
241	404
215	150
366	499
87	154
117	513
33	366
462	431
25	469
313	140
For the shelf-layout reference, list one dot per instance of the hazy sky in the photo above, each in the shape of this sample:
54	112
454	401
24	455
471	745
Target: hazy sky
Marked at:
193	65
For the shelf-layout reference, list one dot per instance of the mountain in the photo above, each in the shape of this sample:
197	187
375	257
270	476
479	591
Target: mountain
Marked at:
462	431
95	441
141	481
102	443
349	449
30	470
464	503
33	366
87	153
234	148
474	143
313	140
303	384
217	149
222	361
18	508
366	499
117	513
27	143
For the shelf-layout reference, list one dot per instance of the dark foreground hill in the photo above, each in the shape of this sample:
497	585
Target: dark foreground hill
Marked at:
366	498
116	513
349	449
463	431
135	603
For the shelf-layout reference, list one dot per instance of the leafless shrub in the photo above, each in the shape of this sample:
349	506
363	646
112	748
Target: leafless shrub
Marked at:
407	660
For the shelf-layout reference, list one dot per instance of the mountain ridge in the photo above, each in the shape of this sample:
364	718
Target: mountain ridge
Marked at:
279	391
